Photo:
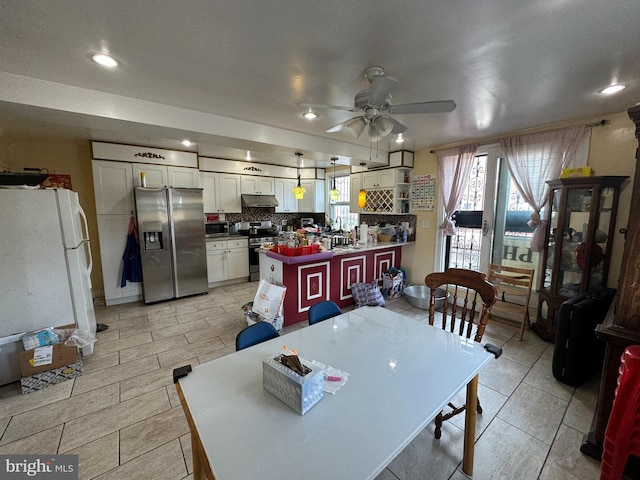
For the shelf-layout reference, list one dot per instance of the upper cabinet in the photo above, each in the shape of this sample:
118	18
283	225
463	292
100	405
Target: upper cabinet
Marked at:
210	191
255	185
379	179
113	187
230	201
313	201
163	176
387	191
287	202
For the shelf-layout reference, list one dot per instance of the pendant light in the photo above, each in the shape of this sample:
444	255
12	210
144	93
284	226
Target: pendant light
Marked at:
362	194
333	193
299	190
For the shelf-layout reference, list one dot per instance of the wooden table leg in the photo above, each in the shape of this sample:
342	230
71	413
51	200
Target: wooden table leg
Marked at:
471	410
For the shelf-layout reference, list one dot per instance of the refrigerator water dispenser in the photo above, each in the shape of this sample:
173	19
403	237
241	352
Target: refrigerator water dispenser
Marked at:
153	236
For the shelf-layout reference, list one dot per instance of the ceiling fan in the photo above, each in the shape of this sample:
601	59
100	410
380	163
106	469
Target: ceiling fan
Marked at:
376	108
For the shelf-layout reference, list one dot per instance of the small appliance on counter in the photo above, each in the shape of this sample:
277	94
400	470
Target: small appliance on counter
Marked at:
216	229
307	222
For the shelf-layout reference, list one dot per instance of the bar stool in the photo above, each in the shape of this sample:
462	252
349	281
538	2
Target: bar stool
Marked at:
622	436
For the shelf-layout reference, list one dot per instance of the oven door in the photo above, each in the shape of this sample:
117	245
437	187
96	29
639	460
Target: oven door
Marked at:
254	262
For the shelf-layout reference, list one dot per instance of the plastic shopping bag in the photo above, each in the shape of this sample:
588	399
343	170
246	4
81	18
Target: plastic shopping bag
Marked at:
268	300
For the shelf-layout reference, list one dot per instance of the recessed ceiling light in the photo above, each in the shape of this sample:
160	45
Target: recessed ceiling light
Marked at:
187	143
399	139
612	89
104	59
248	157
310	115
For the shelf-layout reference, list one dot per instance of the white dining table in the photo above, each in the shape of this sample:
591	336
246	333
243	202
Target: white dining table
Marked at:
402	372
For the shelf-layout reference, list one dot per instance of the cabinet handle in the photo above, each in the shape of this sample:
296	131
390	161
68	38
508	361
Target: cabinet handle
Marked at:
623	231
485	228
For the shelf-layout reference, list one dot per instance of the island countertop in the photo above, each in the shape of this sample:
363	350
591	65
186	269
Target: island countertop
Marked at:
293	260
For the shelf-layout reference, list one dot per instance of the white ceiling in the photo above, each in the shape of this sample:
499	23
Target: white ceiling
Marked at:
230	74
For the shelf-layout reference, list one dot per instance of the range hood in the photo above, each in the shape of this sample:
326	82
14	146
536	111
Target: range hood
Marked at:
259	200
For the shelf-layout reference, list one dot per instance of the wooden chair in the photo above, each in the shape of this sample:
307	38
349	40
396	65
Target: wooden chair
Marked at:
465	313
514	291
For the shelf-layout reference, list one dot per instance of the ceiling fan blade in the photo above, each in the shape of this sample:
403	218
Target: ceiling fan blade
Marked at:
397	126
380	88
354	126
442	106
328	107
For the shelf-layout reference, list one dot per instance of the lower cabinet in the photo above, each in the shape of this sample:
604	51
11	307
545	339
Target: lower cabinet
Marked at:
227	259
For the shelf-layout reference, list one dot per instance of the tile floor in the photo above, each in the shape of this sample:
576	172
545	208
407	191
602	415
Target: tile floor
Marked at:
124	420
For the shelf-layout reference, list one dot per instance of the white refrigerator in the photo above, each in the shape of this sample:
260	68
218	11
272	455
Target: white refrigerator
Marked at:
45	278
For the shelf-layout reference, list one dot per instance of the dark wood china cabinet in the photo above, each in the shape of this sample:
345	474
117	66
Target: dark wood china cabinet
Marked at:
621	328
581	219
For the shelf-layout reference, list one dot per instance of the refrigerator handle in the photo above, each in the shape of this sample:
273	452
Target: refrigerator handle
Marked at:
87	245
86	225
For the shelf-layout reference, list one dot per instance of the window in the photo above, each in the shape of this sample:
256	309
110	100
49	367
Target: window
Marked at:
340	215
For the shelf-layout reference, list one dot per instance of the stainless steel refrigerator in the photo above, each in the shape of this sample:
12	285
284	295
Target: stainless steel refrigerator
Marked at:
172	242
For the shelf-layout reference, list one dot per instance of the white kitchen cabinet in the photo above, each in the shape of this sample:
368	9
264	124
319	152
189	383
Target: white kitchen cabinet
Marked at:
155	175
113	187
379	179
112	235
210	191
164	176
229	200
313	201
355	182
183	177
254	185
227	260
287	202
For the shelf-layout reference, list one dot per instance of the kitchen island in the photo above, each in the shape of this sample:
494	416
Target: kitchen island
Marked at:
327	275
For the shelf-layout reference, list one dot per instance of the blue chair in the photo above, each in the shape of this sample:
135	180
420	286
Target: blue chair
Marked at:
254	334
323	311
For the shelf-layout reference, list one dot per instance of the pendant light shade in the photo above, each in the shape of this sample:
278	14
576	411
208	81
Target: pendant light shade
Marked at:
362	194
333	193
298	190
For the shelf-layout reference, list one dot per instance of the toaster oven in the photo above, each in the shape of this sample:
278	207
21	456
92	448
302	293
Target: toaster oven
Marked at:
216	229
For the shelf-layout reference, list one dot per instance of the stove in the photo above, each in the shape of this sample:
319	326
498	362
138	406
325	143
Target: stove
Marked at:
257	236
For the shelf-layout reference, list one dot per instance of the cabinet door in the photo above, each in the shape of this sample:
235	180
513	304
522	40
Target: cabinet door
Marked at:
217	267
155	175
183	177
112	233
313	201
370	180
355	181
113	187
249	185
266	186
210	191
238	260
287	202
387	178
230	194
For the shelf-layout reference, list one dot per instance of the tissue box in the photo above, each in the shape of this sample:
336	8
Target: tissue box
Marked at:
297	392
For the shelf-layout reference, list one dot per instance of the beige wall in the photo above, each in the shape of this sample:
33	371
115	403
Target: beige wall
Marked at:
611	152
64	157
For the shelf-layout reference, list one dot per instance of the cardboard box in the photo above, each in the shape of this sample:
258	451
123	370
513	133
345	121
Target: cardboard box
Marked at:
62	356
51	377
576	172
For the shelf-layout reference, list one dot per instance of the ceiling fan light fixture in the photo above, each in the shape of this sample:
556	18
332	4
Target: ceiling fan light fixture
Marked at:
380	127
356	126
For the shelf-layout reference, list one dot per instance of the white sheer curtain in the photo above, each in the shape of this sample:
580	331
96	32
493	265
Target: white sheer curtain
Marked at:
535	158
454	168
